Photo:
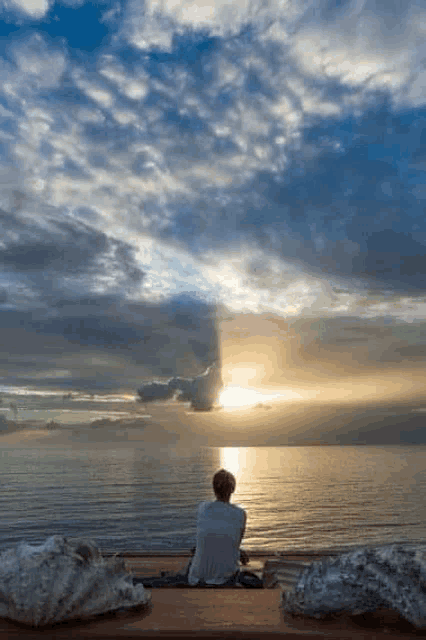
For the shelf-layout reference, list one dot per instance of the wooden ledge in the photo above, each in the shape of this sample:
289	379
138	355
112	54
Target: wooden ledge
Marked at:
211	615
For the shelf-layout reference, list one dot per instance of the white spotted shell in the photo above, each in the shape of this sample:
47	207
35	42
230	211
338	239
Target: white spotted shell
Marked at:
362	580
64	579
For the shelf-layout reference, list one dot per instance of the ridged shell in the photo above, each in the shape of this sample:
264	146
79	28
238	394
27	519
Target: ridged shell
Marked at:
64	579
390	576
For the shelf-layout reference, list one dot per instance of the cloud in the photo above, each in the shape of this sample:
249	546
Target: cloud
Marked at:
202	391
267	157
394	256
134	86
219	18
37	62
66	254
318	353
34	9
56	274
141	340
352	43
250	116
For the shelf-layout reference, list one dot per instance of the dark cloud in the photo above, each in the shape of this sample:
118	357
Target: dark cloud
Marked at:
47	258
347	425
412	352
140	339
68	249
394	257
202	391
153	391
125	258
27	258
353	344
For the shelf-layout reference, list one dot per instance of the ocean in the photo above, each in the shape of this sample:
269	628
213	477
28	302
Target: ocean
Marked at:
104	471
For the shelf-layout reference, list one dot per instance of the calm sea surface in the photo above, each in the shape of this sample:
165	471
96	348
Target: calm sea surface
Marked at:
139	496
113	482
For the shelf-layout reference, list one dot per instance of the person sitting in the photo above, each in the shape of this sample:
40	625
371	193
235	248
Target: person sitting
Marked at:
220	530
215	560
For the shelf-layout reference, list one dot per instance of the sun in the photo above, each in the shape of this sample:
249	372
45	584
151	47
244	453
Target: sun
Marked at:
235	397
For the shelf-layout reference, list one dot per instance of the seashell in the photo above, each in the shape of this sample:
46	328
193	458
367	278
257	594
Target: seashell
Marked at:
361	581
64	579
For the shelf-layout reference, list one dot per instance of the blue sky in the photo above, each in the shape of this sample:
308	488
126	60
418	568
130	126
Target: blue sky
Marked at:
179	179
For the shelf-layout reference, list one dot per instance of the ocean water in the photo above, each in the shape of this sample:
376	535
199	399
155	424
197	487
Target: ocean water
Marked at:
110	482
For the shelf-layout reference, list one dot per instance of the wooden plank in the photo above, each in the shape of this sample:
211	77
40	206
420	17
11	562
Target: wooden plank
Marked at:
290	567
253	553
213	615
153	566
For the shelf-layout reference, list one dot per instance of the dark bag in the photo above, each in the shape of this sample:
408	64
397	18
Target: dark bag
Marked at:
245	579
249	580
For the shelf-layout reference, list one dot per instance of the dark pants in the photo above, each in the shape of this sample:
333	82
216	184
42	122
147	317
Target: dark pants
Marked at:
246	579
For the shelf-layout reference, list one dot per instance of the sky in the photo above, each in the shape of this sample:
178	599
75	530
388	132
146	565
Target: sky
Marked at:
243	182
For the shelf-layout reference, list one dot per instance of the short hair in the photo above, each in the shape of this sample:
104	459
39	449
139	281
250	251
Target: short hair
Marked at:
223	484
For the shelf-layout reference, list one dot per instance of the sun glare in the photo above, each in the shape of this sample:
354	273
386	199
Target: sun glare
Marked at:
234	397
243	388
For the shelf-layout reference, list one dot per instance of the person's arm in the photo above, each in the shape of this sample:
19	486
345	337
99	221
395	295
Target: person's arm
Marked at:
243	530
244	559
194	549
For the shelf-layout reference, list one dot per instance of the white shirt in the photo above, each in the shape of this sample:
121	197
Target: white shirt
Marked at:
219	527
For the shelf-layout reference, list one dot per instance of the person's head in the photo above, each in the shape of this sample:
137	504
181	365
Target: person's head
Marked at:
223	484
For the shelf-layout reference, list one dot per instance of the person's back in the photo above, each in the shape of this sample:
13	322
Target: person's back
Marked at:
219	531
220	528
